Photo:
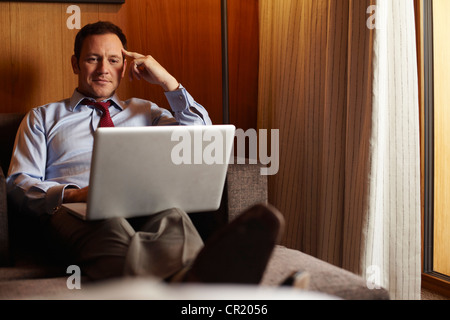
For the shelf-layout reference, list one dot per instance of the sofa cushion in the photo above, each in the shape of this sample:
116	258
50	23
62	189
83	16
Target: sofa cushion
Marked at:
245	186
33	271
33	288
324	277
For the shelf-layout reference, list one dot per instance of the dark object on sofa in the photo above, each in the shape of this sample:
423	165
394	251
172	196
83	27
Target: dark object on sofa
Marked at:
8	127
27	273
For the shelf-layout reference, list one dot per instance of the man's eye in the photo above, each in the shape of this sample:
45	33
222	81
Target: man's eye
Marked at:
114	61
92	60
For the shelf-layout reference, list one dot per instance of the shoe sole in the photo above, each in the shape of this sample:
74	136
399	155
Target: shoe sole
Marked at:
239	253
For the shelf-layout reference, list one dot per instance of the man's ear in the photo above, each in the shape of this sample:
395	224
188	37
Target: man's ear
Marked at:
75	66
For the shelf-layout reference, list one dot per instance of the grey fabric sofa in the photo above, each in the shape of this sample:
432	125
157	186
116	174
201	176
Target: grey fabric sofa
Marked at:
27	273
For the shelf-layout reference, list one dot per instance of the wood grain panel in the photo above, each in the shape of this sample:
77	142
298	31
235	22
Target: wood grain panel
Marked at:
35	54
184	36
442	137
243	59
6	67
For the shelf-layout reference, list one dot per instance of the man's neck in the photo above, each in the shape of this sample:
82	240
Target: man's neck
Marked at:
87	95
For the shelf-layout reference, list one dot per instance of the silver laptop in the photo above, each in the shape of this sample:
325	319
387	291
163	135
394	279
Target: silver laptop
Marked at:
138	171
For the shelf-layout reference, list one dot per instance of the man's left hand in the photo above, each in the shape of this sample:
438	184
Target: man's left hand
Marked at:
147	68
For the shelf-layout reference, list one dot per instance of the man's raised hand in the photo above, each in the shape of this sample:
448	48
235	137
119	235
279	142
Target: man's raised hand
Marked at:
147	68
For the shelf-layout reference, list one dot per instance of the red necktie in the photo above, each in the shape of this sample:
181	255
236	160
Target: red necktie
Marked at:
105	120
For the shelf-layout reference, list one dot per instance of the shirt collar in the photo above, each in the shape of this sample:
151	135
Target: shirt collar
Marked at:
77	97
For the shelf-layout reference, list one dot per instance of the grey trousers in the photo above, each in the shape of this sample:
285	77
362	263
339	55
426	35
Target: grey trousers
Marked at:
158	245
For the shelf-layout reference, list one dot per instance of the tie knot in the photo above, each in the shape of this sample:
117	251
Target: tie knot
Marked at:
105	120
103	106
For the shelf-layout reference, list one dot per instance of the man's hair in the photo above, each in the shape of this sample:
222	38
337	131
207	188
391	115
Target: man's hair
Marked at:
97	28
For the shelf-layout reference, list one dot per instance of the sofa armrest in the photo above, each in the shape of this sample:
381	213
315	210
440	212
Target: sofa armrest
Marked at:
245	187
4	234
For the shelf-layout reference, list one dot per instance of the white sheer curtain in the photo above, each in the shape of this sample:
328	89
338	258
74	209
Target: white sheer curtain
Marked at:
344	96
393	216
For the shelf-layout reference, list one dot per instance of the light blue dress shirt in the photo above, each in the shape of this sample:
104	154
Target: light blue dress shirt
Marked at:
54	144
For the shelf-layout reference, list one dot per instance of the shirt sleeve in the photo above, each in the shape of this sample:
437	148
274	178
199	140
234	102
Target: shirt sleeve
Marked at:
186	110
28	191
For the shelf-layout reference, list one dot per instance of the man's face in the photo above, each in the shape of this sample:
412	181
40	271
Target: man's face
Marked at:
101	66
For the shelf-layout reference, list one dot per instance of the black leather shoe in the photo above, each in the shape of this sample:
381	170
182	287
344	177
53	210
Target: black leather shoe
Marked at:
239	252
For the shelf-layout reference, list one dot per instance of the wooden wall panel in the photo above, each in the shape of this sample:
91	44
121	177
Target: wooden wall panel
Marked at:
5	62
184	36
243	60
25	69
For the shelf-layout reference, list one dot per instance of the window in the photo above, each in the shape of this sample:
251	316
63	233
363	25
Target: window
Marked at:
436	147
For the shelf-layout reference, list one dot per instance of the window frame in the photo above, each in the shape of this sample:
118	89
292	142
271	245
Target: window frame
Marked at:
430	278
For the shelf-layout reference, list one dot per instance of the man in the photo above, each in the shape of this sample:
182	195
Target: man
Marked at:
51	162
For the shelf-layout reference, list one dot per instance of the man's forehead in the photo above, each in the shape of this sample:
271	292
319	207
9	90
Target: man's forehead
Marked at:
109	43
